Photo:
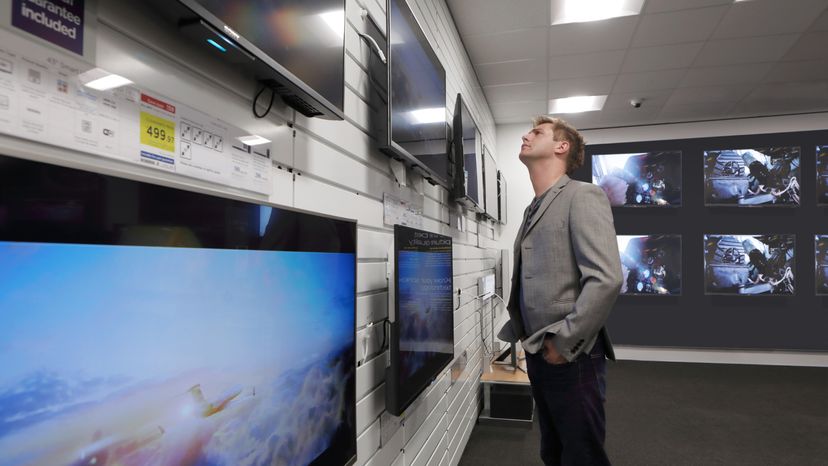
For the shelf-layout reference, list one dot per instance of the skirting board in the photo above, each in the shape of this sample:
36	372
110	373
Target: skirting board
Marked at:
766	358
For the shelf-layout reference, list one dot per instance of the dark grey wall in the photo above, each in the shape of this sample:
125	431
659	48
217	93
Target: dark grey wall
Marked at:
694	320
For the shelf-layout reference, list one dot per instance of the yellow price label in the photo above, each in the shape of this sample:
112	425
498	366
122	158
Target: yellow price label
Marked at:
157	132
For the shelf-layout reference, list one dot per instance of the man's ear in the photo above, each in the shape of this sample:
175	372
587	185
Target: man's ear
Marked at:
564	147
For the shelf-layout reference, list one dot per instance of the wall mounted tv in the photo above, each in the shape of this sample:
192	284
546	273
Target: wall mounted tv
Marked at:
490	183
749	264
422	321
502	206
143	324
752	177
417	126
468	158
296	47
648	179
822	174
650	264
821	260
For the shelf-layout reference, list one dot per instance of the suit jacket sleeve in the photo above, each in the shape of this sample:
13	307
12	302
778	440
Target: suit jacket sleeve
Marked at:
595	248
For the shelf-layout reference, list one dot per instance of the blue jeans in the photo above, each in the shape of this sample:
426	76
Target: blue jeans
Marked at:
570	400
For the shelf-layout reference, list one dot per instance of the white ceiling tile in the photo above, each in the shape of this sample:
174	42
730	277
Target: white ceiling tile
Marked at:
707	95
786	97
750	73
516	92
491	16
677	27
625	117
696	111
517	71
745	50
821	23
597	36
810	46
506	46
649	100
810	70
650	80
525	110
590	64
767	17
593	85
661	58
658	6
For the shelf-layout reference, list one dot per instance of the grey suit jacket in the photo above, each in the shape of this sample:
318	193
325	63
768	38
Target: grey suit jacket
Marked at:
569	259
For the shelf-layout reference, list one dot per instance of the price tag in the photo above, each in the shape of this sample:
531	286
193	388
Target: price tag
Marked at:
157	132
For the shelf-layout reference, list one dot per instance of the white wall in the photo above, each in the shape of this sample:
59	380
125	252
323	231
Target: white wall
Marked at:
329	167
520	195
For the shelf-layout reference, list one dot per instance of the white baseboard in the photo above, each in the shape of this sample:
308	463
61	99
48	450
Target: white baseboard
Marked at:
767	358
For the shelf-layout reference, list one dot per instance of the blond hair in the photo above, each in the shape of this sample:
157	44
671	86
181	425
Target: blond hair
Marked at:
563	130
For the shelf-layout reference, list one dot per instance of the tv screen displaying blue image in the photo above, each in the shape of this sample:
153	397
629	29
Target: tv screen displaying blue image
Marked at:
650	264
821	263
148	325
822	174
752	177
646	179
422	342
750	264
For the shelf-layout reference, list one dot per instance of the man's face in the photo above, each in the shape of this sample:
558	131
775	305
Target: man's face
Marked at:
540	142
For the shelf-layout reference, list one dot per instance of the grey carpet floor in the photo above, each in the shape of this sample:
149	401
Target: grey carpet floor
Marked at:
692	414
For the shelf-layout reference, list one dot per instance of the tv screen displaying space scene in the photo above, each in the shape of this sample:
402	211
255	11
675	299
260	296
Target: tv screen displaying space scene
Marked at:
821	259
639	180
752	177
822	174
650	264
749	264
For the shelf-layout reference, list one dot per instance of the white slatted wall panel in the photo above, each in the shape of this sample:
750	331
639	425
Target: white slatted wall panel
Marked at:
330	167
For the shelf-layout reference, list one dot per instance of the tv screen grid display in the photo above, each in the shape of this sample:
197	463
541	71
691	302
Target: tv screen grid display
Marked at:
647	179
749	264
422	342
149	325
752	177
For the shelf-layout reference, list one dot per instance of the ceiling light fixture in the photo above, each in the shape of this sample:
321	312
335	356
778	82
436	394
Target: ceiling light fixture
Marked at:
577	104
582	11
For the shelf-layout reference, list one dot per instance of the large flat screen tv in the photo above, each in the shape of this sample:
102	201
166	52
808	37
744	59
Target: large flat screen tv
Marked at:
749	264
752	177
647	179
821	263
295	46
142	324
822	175
422	327
468	158
650	264
417	126
490	183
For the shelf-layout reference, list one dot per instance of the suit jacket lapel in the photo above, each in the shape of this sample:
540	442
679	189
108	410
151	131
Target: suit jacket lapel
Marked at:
547	201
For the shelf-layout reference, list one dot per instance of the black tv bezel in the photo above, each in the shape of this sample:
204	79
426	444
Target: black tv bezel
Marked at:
138	179
680	154
681	266
392	148
490	212
395	401
328	109
460	192
749	296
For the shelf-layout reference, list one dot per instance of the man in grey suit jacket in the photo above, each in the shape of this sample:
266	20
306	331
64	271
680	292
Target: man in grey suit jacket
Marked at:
566	278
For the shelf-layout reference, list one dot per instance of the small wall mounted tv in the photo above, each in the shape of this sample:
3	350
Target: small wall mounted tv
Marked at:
648	179
468	158
759	177
296	47
490	183
417	127
143	324
821	263
822	175
422	319
650	264
502	206
750	264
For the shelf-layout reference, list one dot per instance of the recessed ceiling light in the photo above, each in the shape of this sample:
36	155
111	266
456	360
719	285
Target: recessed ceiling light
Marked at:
581	11
425	116
102	80
577	104
253	140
